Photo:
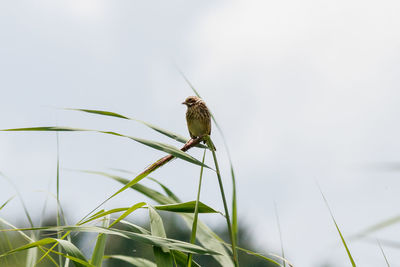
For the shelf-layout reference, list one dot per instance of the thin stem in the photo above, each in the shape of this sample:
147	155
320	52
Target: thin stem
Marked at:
280	233
221	187
196	213
58	197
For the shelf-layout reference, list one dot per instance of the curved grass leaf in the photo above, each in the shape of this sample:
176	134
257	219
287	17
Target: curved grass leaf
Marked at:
186	207
164	187
176	152
127	212
263	257
170	134
103	213
138	262
162	254
166	190
148	239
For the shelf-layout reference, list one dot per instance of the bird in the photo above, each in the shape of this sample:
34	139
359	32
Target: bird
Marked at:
198	118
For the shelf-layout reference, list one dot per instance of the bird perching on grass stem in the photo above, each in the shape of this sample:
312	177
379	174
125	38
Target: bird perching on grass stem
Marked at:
198	118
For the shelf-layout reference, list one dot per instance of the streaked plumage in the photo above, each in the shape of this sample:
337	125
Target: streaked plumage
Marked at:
198	117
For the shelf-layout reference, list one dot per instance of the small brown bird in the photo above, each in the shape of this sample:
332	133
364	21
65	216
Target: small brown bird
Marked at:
198	117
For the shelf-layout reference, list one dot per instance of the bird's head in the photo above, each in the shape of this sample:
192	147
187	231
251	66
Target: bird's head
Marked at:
191	100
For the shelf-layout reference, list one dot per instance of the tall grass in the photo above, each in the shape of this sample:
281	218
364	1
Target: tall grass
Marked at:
61	251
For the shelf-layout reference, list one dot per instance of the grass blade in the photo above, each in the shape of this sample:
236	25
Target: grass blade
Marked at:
105	213
378	226
164	187
280	233
153	144
171	244
167	133
221	187
129	211
263	257
187	207
5	203
337	228
98	252
162	254
58	195
196	213
383	253
138	262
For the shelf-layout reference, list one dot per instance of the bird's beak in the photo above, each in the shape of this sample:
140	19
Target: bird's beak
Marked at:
184	103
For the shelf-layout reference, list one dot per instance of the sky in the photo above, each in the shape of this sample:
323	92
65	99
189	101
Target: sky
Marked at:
306	93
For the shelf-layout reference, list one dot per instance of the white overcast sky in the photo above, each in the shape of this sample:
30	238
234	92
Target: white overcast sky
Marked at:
307	93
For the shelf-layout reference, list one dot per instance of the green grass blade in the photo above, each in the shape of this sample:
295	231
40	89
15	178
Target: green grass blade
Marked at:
378	226
152	194
58	195
45	129
235	227
20	198
8	246
196	213
383	253
103	213
171	244
228	221
263	257
340	233
138	262
280	233
135	228
77	261
101	112
167	133
186	207
98	252
73	251
5	203
127	212
166	189
176	152
162	254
